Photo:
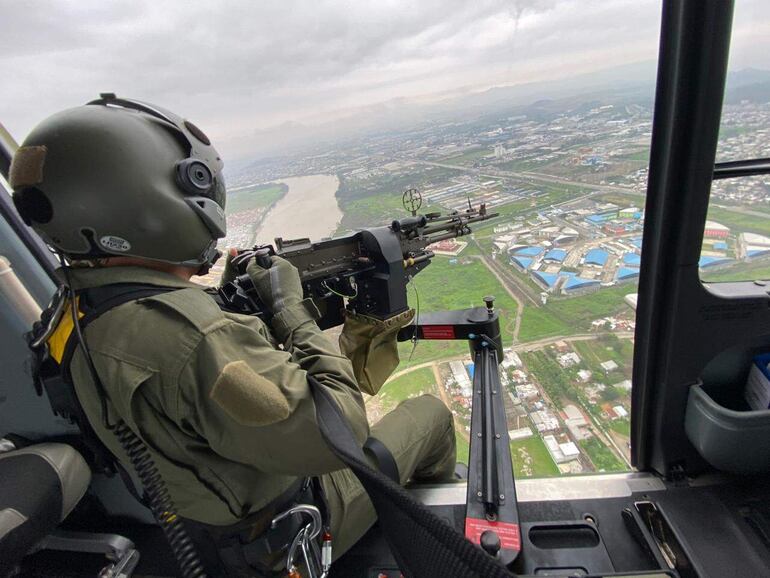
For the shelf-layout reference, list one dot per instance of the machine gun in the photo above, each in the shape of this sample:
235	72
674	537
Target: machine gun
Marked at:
369	268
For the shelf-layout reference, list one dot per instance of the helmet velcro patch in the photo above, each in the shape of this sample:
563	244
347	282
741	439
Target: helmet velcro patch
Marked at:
27	167
249	398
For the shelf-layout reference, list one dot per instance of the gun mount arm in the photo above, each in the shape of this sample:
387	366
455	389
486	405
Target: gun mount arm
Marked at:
491	515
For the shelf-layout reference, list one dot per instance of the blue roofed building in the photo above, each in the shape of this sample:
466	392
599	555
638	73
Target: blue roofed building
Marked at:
632	259
720	246
602	217
757	252
528	251
521	263
545	280
555	255
708	261
637	242
596	257
626	274
574	284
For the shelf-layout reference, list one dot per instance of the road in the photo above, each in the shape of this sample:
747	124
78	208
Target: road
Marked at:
528	346
514	294
509	280
445	398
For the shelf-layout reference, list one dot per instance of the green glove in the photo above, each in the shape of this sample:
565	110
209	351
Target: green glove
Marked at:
279	286
371	346
230	272
280	289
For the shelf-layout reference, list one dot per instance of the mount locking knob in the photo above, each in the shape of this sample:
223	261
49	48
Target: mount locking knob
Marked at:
490	542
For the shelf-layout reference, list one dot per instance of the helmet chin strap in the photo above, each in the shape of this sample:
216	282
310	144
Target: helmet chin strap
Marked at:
206	267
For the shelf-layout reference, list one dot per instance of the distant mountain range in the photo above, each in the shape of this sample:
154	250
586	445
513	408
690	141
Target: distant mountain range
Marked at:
633	82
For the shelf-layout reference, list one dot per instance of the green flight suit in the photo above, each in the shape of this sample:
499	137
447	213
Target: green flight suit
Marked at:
223	402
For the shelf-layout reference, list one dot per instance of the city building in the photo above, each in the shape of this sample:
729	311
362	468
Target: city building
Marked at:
461	377
555	255
626	274
609	366
568	359
596	257
630	213
575	284
546	280
520	434
708	261
544	420
715	230
632	260
560	452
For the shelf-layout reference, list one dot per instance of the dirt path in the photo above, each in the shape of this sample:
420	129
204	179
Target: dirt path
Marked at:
514	295
447	401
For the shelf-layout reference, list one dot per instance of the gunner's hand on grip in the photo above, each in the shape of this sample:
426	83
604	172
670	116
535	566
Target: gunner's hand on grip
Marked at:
278	286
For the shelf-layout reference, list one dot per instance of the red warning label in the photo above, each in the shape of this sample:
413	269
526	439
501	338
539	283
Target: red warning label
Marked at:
438	332
510	539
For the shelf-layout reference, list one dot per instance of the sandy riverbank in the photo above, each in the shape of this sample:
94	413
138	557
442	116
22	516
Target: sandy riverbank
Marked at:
309	209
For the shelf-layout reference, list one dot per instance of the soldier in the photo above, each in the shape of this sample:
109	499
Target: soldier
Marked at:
129	193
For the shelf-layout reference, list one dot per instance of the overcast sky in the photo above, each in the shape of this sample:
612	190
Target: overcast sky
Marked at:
237	67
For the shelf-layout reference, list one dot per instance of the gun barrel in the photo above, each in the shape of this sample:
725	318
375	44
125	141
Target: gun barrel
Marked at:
458	224
411	261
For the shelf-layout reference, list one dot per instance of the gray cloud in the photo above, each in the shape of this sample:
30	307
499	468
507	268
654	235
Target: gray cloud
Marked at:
238	67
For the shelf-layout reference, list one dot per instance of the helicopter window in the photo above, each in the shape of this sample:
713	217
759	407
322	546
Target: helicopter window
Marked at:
540	109
736	240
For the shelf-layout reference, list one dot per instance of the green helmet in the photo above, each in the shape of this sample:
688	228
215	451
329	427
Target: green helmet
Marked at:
121	177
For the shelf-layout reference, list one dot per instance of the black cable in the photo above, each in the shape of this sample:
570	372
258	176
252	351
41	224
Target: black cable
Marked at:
157	496
415	338
161	504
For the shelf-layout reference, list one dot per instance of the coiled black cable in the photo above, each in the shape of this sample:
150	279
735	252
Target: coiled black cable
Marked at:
160	502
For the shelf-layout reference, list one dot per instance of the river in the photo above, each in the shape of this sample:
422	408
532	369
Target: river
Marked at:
309	209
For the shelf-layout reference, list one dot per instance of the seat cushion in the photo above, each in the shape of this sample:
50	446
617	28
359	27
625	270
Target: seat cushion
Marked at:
39	487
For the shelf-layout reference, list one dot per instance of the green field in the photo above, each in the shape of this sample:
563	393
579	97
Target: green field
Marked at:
740	222
570	315
601	456
443	286
622	426
552	194
463	448
255	197
541	466
555	380
466	158
607	348
741	272
640	155
368	203
406	386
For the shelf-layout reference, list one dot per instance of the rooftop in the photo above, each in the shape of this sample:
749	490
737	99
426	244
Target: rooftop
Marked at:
557	255
626	273
597	257
632	259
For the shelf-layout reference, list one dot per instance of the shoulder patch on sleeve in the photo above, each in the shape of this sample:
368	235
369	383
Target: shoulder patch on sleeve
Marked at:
195	305
249	398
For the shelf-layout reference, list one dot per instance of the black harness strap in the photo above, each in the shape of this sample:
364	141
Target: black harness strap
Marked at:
385	460
97	301
423	544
